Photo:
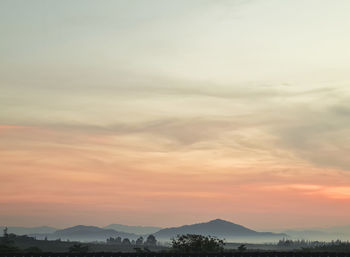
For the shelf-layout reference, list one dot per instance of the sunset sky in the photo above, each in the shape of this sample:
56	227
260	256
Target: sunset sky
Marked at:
166	112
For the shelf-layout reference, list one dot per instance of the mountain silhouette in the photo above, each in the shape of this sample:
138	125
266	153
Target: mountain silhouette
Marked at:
29	230
139	230
86	233
218	228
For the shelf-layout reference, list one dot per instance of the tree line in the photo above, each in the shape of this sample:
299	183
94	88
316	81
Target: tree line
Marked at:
150	241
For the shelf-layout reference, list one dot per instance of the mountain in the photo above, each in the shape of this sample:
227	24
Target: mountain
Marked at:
85	234
218	228
139	230
30	230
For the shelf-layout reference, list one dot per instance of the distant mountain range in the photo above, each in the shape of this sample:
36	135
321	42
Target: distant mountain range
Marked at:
85	234
139	230
218	228
31	230
221	229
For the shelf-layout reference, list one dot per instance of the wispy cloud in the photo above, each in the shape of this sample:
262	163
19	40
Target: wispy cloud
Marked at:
205	106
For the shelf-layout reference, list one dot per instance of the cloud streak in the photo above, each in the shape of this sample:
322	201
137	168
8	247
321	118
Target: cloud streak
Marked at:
135	112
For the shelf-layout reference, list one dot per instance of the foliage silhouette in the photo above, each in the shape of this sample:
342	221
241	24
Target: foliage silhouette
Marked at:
151	241
6	244
126	241
139	241
197	243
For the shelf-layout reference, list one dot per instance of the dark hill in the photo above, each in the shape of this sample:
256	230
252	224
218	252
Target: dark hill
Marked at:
139	230
30	230
86	233
218	228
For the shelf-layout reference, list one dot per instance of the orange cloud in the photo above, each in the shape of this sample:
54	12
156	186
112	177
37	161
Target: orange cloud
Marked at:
130	179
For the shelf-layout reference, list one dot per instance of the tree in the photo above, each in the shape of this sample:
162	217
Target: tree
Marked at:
197	243
139	241
126	241
6	234
6	244
151	241
118	240
6	240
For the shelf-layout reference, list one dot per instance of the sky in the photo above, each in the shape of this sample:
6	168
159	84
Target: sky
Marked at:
168	112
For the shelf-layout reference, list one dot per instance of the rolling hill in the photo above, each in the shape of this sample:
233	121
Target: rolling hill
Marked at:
218	228
139	230
29	230
85	234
